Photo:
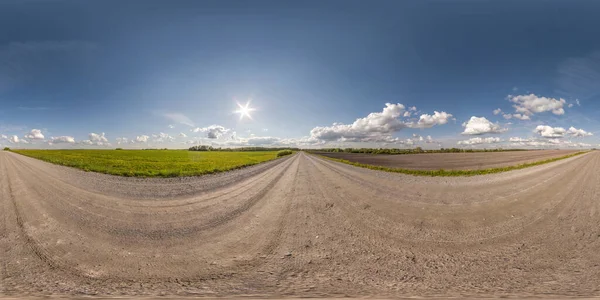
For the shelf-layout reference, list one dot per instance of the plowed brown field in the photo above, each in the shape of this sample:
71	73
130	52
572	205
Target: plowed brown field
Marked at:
450	161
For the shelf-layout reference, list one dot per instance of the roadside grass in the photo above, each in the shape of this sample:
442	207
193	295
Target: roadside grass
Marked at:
151	163
452	173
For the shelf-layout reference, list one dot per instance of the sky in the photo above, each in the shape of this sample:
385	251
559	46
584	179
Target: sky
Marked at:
309	74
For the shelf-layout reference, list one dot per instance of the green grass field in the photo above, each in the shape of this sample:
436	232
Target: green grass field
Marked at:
151	163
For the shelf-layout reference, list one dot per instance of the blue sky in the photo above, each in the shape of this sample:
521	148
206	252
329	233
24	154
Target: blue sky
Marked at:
140	74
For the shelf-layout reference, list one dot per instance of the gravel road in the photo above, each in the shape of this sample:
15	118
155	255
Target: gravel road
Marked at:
300	226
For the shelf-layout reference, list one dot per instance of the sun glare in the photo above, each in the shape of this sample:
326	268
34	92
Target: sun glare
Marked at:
244	110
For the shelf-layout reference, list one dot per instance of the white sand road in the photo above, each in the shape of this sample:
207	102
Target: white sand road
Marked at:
300	226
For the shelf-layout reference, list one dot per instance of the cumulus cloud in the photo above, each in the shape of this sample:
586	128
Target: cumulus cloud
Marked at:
532	104
550	132
428	121
578	132
62	139
183	135
521	117
13	139
478	141
4	137
98	138
507	116
171	126
518	139
162	137
477	126
141	139
556	132
497	111
35	134
212	131
122	140
377	126
407	114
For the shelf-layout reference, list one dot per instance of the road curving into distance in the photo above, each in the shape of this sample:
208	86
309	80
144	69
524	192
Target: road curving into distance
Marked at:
300	226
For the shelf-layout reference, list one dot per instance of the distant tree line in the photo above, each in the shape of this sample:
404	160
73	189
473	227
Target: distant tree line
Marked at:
409	151
211	148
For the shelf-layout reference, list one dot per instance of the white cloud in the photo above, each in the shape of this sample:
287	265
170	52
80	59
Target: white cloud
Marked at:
98	138
550	132
477	126
122	140
578	132
183	135
377	127
13	139
428	121
142	139
179	118
3	137
521	117
171	126
556	132
497	111
212	131
412	108
478	141
518	139
162	137
407	114
570	105
507	116
429	140
35	134
532	104
577	101
62	139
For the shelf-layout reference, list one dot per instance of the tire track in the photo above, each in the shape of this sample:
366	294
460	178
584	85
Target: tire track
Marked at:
348	231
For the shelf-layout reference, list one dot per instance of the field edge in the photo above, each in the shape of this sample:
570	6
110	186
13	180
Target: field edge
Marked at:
450	173
158	175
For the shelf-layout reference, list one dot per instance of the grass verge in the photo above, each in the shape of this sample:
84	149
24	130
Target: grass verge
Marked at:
151	163
452	173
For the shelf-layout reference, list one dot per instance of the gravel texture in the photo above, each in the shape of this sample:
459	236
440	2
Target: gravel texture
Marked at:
300	226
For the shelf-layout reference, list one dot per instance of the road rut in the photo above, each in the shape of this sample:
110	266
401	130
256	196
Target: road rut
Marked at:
300	226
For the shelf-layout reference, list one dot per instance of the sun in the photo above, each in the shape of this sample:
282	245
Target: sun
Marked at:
244	110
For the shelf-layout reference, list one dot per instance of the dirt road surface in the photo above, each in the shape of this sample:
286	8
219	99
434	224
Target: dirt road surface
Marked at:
451	161
300	226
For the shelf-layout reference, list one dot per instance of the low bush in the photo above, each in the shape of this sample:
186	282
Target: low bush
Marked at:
284	153
6	149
